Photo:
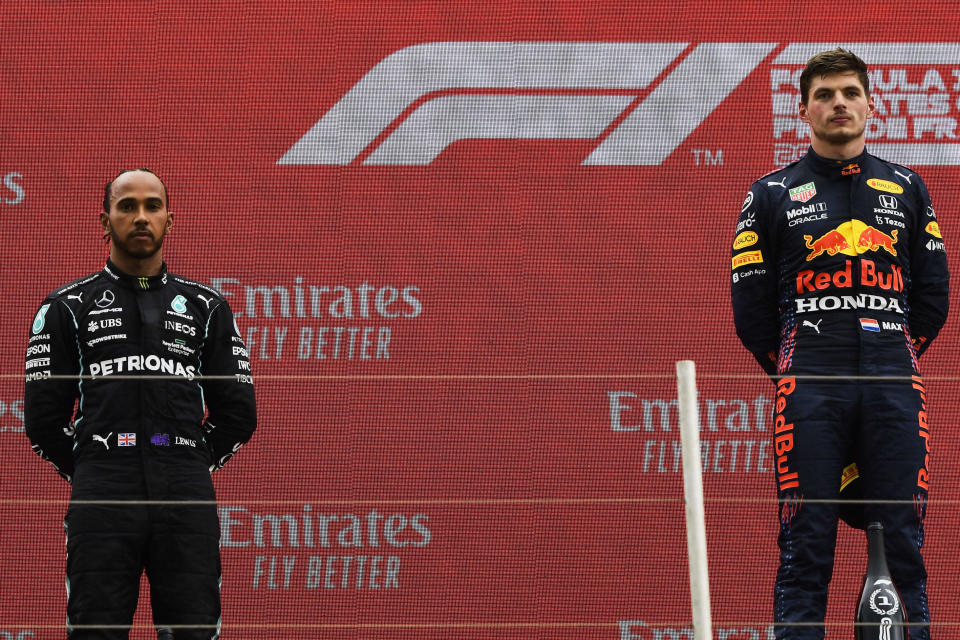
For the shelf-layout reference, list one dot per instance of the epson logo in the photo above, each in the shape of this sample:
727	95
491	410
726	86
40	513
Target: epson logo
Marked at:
35	349
810	208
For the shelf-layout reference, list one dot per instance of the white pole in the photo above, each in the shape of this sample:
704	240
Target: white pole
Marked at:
693	497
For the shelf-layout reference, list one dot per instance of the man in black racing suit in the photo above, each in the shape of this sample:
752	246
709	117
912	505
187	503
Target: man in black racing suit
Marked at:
839	277
160	379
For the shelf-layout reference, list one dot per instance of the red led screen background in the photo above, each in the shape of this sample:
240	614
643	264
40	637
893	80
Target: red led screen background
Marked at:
466	244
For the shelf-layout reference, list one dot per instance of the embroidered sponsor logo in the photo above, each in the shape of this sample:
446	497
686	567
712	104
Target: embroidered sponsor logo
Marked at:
851	238
745	239
106	299
151	363
747	257
40	319
884	185
160	439
804	192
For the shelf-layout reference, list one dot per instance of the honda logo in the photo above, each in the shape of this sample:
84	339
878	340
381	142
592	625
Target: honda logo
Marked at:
888	201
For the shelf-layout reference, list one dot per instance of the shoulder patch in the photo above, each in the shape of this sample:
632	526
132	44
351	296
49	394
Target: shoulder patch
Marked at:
70	286
202	287
764	177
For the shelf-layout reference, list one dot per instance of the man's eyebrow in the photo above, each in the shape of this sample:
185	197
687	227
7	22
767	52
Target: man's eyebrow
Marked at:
150	199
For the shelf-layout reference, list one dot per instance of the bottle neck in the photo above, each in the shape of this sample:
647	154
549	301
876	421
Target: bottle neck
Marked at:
877	557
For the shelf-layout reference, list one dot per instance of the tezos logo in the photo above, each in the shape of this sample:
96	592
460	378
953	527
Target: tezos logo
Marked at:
38	320
179	304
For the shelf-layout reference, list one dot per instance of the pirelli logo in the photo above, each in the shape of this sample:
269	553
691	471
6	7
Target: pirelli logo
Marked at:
747	257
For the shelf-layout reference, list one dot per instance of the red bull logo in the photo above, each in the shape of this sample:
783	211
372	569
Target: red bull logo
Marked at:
871	275
850	169
783	436
831	243
872	239
851	238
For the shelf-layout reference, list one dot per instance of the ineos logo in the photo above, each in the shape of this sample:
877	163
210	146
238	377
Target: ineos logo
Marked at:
106	299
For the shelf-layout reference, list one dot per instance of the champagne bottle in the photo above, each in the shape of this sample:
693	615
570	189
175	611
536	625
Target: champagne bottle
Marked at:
880	613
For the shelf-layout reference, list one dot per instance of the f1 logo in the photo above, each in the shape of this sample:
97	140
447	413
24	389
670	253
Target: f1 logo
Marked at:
442	92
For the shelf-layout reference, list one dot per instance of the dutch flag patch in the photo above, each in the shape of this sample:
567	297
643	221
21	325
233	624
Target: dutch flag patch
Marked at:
869	324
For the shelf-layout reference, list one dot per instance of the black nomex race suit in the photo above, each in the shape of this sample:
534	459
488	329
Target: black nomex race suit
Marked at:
839	270
144	347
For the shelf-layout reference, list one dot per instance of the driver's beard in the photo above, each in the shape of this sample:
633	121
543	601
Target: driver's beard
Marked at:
140	253
841	137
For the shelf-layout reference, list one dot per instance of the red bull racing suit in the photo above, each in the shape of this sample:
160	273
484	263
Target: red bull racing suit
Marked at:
839	283
165	398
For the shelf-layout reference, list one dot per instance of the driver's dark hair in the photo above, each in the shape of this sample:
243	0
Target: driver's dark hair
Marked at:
109	186
834	61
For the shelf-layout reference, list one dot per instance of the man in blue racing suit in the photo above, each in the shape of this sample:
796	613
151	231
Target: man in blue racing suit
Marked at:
839	284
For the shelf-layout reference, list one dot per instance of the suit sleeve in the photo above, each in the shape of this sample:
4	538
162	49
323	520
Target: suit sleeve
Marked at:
231	405
753	286
929	296
52	385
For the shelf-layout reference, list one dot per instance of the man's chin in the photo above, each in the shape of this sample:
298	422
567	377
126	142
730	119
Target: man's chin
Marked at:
139	253
840	137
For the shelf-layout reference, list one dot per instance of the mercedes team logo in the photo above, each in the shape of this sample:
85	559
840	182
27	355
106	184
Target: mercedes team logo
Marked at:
106	299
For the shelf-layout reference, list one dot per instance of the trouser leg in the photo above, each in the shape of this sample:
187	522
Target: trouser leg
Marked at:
183	565
892	455
811	442
104	563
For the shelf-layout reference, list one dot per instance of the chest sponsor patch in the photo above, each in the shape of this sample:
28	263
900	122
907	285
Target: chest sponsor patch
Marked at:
851	238
884	185
804	192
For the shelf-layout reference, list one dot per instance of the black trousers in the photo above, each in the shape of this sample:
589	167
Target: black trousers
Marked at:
110	546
